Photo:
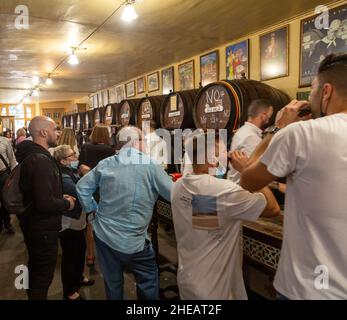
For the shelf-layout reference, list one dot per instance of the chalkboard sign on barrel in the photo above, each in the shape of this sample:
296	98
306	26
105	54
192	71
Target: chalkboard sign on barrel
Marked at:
108	115
127	112
224	104
149	109
176	110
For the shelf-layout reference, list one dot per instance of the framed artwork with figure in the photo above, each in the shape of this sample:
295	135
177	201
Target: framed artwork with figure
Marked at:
316	42
130	89
167	78
274	54
237	60
153	81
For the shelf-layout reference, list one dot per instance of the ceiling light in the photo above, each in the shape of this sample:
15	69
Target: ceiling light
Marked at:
73	59
129	13
49	81
36	80
36	93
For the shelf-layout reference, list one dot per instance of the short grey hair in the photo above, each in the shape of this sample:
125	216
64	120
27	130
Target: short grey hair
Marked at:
61	152
127	136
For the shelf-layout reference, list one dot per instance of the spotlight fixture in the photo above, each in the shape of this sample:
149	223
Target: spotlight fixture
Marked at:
49	81
36	92
129	13
73	59
36	80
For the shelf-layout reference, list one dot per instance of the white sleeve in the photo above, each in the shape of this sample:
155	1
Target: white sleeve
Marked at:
280	157
250	144
239	204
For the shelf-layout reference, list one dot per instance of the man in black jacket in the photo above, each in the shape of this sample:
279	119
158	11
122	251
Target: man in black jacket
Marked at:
41	185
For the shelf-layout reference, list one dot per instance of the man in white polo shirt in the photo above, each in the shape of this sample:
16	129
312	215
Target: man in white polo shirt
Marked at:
313	156
207	214
248	137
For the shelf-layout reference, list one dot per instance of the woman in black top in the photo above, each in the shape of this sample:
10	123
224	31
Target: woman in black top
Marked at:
91	153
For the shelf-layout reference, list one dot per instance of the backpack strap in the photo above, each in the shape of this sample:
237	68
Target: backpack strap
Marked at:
5	162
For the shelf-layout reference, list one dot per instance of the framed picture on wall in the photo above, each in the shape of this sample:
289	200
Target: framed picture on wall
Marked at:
91	102
105	97
112	95
141	85
237	60
317	43
186	75
100	102
130	89
120	93
95	99
209	67
153	81
274	54
167	79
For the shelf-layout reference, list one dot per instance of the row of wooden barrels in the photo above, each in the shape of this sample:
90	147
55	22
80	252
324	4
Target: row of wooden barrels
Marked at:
219	105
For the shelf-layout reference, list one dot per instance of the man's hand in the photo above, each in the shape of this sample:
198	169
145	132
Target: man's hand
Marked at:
72	201
239	160
289	113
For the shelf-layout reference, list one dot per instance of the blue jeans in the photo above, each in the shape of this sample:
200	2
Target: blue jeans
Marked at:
142	264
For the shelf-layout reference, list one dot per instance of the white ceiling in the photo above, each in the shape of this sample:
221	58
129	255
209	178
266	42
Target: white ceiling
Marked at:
166	31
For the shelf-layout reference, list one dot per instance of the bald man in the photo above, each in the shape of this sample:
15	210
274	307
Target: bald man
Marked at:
40	183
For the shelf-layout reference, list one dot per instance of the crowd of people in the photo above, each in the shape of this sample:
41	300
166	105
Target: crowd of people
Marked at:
93	194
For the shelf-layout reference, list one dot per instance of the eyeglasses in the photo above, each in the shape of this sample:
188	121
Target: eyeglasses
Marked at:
73	154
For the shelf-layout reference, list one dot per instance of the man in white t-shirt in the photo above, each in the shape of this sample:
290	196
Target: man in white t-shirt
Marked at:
250	134
207	215
313	156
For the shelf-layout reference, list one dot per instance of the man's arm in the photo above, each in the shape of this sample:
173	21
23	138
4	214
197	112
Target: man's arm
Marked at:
85	188
162	182
10	156
255	175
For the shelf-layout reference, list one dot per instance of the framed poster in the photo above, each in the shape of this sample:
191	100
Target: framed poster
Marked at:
209	67
130	89
105	98
112	95
95	99
141	85
120	93
153	81
186	75
316	42
100	102
91	102
237	60
274	54
167	80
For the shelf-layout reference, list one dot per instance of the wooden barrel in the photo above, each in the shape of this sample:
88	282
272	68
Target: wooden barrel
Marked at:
89	120
98	116
224	104
127	112
72	121
149	109
80	121
176	110
108	115
64	121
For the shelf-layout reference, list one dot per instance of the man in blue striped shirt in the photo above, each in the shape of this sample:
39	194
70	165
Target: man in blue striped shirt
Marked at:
129	184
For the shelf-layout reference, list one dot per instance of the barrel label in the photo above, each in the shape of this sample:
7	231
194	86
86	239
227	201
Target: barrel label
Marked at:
174	114
209	109
146	116
124	115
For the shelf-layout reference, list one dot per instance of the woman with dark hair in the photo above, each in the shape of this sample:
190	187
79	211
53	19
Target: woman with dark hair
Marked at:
91	153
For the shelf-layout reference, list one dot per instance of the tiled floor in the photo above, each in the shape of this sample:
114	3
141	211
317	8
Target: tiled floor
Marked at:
13	253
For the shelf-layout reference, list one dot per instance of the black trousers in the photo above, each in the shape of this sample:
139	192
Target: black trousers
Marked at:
43	250
4	215
73	244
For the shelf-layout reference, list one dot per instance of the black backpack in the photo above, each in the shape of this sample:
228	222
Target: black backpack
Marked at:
12	195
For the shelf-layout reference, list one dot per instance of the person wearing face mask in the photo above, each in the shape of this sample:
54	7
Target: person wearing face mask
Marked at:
313	156
207	214
72	237
248	137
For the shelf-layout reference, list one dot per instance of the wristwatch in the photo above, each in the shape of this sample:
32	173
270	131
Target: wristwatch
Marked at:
272	129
